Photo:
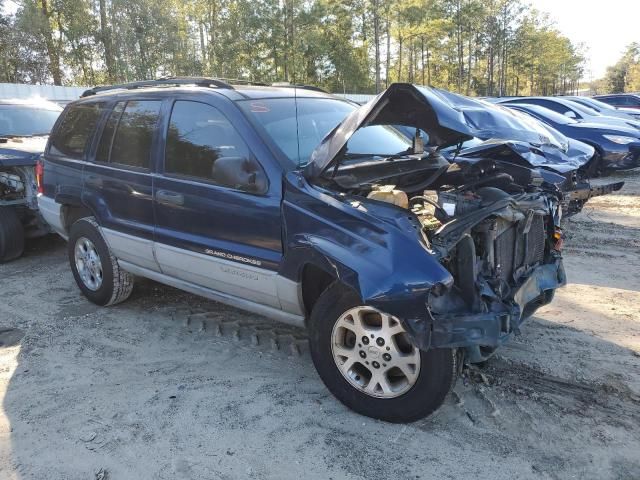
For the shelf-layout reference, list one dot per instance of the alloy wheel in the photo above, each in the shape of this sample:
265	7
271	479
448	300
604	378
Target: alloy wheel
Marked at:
88	263
373	352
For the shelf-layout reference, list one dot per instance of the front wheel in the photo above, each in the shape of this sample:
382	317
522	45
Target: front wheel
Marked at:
366	360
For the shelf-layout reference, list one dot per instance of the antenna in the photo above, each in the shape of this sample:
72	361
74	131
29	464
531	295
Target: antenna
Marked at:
293	64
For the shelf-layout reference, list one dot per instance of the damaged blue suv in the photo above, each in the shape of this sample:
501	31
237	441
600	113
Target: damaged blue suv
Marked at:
297	205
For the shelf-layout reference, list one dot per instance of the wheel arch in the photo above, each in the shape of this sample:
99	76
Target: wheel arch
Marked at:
71	212
314	281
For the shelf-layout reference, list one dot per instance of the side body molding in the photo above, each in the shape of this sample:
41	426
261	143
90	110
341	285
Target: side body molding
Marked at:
248	287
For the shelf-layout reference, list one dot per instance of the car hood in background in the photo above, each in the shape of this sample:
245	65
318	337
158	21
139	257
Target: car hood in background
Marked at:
614	121
526	155
21	151
632	112
447	118
608	128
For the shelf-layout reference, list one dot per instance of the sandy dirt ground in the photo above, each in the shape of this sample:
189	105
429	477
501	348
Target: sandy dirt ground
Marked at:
171	386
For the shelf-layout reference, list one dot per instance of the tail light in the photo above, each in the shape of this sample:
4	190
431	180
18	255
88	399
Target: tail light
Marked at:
40	176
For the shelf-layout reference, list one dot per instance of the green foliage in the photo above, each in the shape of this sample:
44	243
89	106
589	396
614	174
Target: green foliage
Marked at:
624	75
483	47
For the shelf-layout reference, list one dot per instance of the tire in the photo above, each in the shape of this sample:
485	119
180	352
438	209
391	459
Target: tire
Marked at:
433	376
595	166
103	282
11	235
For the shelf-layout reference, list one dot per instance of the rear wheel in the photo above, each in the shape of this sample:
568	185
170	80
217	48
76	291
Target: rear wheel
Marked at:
366	360
94	267
11	235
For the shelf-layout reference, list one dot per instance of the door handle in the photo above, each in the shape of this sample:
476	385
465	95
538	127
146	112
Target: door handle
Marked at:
169	198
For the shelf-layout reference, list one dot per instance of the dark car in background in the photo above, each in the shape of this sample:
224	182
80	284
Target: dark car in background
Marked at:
24	127
300	207
572	110
517	140
618	146
604	108
621	100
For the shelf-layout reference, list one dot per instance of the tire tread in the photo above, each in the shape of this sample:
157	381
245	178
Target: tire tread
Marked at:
11	235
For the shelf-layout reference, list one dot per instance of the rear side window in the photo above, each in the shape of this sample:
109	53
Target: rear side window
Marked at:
75	130
128	134
627	101
106	141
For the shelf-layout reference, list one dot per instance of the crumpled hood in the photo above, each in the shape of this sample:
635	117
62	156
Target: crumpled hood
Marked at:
577	155
21	151
447	118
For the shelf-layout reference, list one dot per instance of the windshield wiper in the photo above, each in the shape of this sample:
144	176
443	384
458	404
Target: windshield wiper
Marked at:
382	156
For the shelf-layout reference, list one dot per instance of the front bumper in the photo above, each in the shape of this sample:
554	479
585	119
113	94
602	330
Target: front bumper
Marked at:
623	158
491	329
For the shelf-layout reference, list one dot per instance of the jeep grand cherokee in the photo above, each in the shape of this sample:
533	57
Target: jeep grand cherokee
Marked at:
299	206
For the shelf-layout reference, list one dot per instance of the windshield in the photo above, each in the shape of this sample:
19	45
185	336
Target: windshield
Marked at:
21	120
316	118
545	114
596	104
586	103
585	111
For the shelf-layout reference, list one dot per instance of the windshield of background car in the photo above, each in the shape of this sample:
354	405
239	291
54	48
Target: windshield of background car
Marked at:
597	104
316	117
21	120
584	111
550	115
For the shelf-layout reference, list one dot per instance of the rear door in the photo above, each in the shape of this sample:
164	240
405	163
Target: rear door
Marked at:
217	213
118	181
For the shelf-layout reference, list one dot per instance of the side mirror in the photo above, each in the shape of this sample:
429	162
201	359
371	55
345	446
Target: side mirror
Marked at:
240	173
570	114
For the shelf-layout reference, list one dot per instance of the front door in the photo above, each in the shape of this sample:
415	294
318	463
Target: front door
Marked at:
217	219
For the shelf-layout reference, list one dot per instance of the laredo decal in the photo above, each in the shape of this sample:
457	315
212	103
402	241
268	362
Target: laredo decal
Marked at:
231	256
240	273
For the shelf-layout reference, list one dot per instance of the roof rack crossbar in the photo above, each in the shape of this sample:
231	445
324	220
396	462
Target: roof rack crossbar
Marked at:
199	81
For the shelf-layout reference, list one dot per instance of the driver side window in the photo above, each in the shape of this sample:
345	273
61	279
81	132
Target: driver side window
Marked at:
203	144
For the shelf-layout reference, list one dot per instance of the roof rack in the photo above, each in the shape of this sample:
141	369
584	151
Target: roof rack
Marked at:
169	81
237	81
298	85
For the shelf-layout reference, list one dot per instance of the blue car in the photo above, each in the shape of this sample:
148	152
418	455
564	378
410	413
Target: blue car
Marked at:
618	147
299	206
514	139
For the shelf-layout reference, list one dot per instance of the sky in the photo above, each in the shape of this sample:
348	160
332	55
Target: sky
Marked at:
605	27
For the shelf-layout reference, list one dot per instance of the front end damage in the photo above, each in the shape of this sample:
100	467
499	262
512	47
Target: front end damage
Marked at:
503	252
487	224
18	185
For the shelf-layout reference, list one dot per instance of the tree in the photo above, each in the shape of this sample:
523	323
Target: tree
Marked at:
483	47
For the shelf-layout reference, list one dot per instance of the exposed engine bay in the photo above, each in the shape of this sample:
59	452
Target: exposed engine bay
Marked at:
480	229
